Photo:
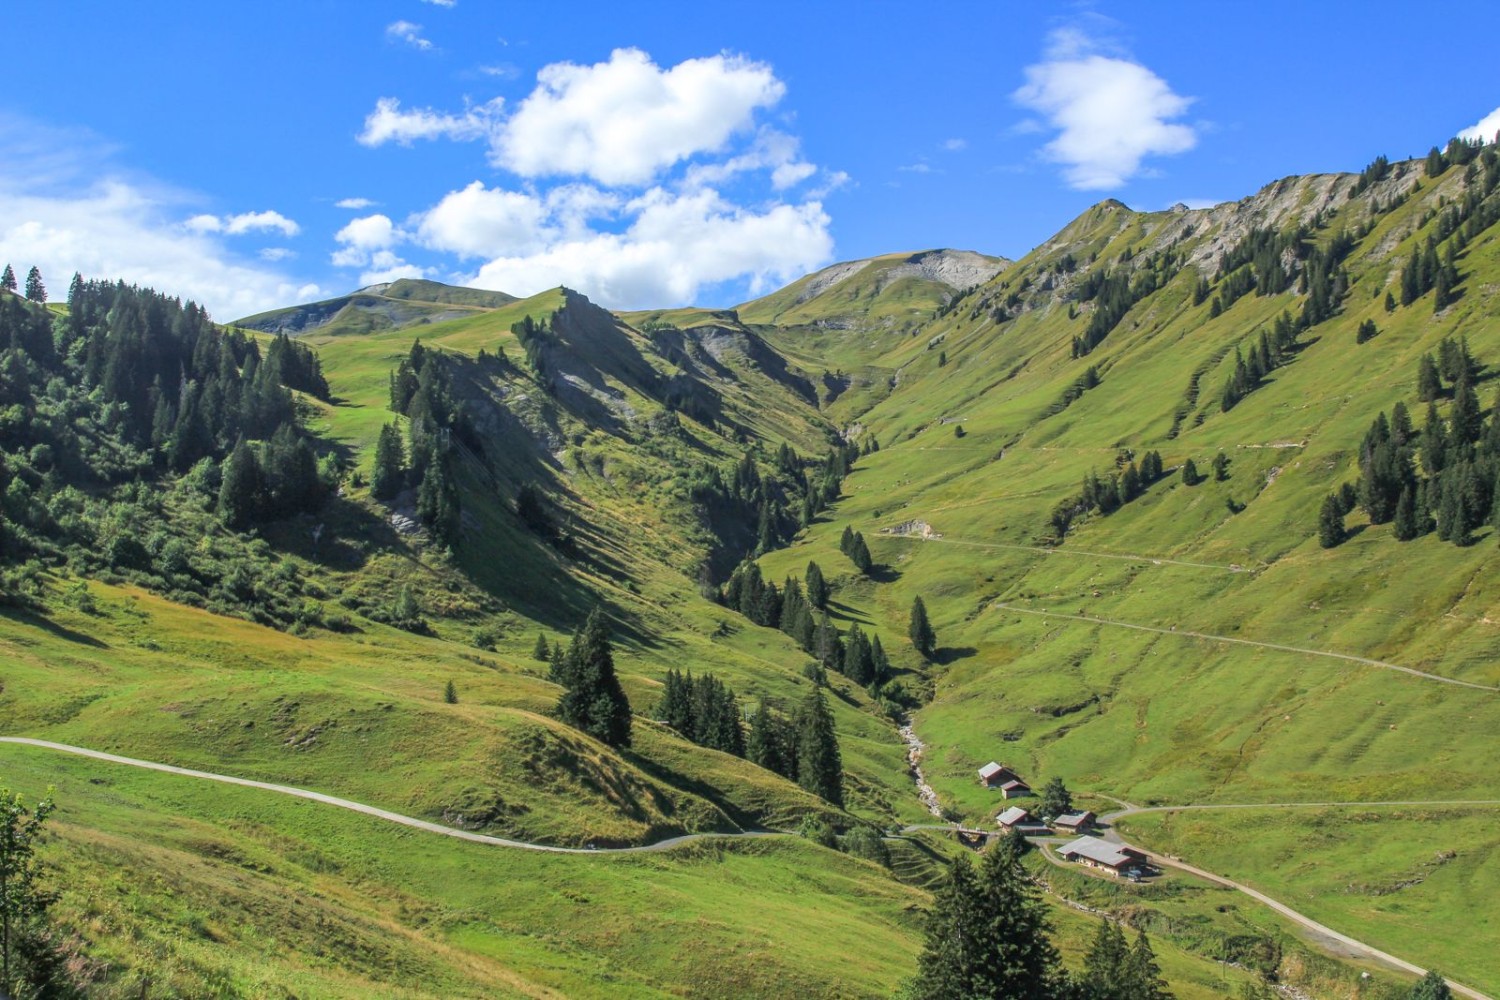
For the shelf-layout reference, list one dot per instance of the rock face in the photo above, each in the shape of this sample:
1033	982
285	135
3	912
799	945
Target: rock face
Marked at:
957	269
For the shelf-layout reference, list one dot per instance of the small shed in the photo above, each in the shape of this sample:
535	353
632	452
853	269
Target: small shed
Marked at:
1015	789
993	775
1017	819
1079	822
1011	817
1117	859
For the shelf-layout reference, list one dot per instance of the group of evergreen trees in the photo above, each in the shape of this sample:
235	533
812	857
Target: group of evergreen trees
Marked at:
420	391
704	710
852	544
1108	494
778	502
1268	262
803	615
592	699
1443	478
802	747
1114	293
988	938
1266	355
129	392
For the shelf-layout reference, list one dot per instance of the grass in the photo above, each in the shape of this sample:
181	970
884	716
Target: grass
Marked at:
1395	877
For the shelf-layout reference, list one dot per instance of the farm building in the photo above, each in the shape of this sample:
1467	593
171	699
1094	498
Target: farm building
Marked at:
993	775
1079	822
1117	859
1015	789
1016	818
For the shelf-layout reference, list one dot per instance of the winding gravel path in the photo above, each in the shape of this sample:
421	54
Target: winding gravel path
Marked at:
368	810
1327	935
1045	550
1424	675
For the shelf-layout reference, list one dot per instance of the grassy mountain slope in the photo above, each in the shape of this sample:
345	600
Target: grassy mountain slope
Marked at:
392	305
842	321
1158	716
962	368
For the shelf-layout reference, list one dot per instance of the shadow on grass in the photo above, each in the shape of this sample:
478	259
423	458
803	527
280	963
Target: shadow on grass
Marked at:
944	655
25	617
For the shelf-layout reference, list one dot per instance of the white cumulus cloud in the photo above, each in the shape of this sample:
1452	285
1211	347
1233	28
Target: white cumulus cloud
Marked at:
411	34
1485	129
1109	113
675	245
621	122
246	222
389	123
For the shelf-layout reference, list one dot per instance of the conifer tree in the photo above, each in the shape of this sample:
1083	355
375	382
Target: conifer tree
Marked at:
240	487
820	767
880	665
1220	466
923	638
1106	975
988	937
594	701
817	587
1189	473
389	473
35	290
859	554
450	693
1143	973
1404	525
540	651
8	280
1331	522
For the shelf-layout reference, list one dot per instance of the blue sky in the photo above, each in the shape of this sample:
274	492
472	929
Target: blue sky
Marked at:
256	155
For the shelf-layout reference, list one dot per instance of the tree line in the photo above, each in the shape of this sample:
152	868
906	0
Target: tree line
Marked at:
1444	477
132	417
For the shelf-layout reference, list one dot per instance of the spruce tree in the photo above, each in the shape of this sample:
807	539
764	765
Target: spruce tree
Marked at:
1429	385
1106	975
389	473
988	937
450	693
1189	473
594	701
859	554
8	280
1404	525
956	938
1331	522
240	488
35	290
880	665
820	767
1143	974
1220	466
817	587
923	638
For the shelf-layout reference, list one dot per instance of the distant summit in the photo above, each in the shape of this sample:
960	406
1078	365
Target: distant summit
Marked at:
880	290
390	305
